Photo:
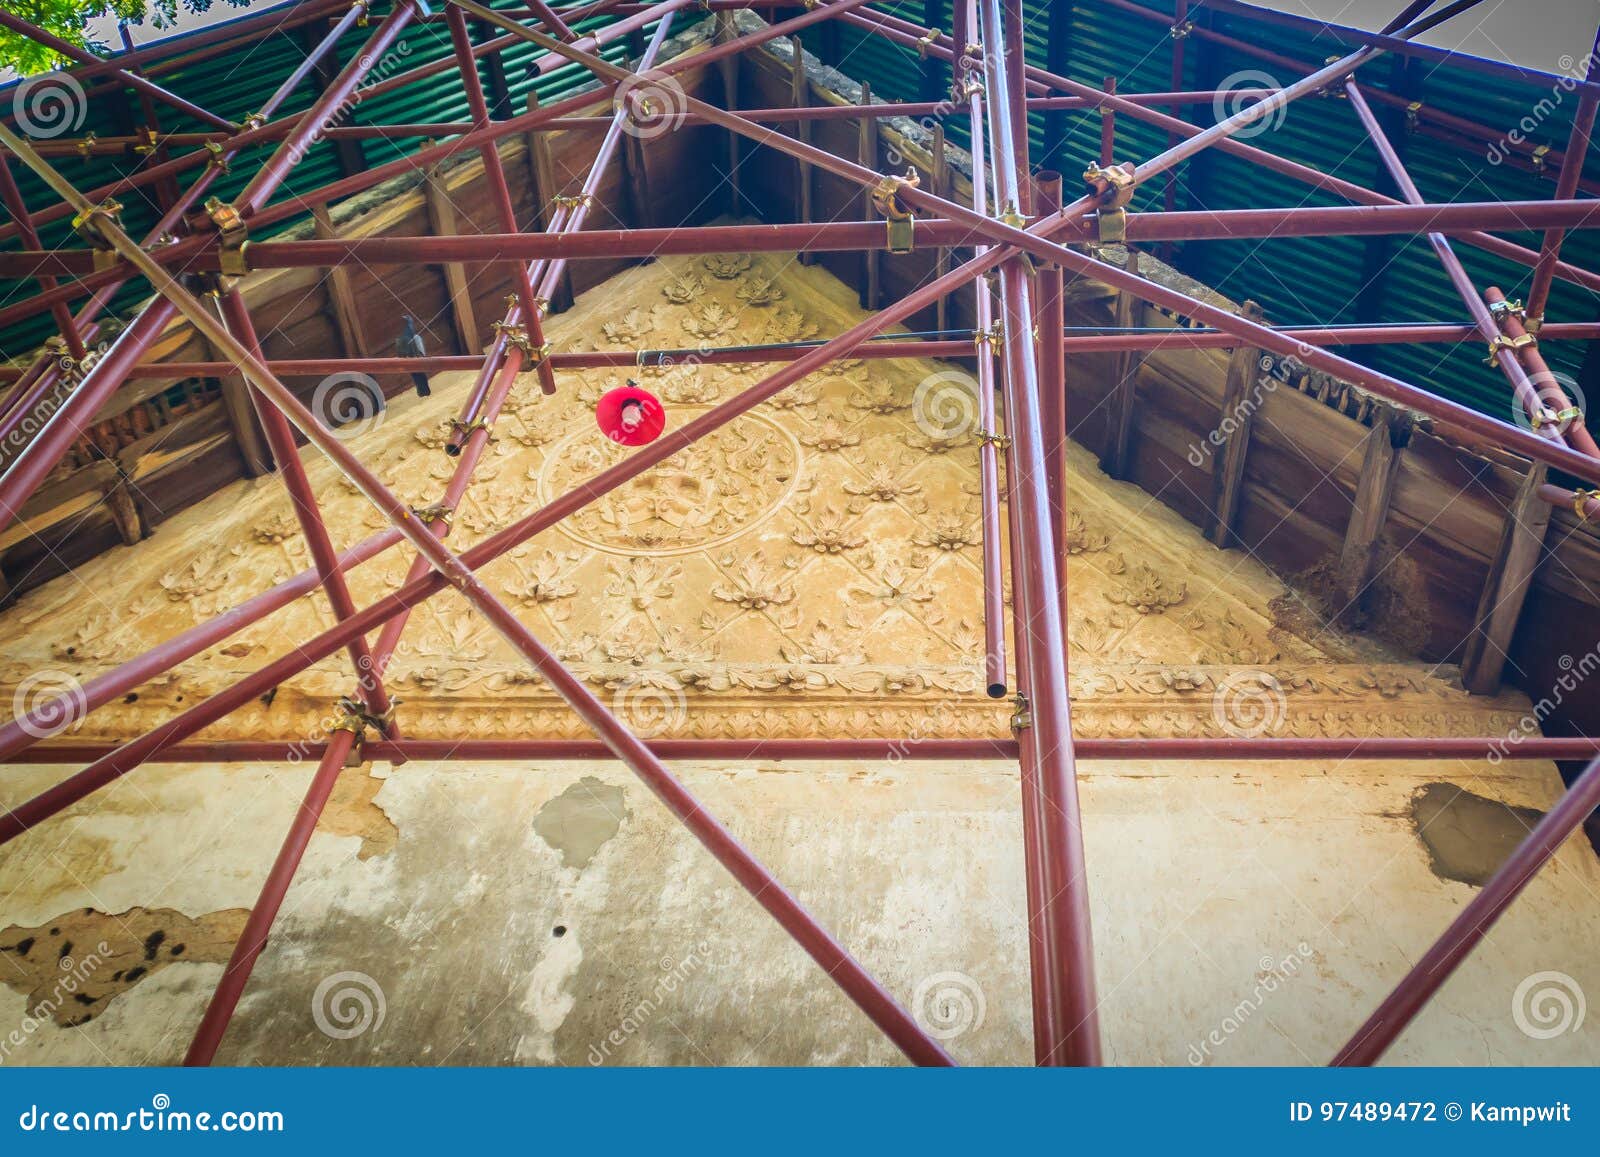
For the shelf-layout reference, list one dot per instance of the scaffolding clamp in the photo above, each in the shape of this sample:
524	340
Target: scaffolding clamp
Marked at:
1502	311
85	145
1114	186
899	219
1580	503
990	437
254	121
361	7
926	42
1182	30
1022	717
1502	343
1412	111
218	159
1538	157
465	429
994	337
1532	324
562	201
516	335
233	235
93	225
1546	417
148	142
356	719
434	512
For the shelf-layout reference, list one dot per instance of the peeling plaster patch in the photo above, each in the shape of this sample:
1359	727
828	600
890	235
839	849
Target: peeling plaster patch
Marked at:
353	810
578	822
71	967
1467	835
547	1000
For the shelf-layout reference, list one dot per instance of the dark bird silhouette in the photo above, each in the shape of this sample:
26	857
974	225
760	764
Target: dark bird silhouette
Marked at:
409	345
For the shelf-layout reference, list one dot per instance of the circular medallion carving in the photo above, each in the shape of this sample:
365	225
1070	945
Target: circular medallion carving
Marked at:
709	493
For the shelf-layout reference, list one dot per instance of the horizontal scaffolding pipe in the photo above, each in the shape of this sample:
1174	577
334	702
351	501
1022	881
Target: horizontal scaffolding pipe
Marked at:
1221	225
1496	749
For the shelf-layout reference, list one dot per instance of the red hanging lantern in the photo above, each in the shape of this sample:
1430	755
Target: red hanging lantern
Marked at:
630	416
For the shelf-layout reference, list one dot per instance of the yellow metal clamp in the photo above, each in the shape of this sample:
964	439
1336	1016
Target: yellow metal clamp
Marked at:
1580	503
233	234
1181	31
564	202
437	512
926	42
91	226
1501	311
1503	343
86	145
1556	417
1021	717
897	214
1538	157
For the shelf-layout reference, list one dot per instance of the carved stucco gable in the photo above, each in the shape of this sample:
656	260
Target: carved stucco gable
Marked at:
811	569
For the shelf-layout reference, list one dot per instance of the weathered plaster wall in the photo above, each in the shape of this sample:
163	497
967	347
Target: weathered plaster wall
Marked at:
813	571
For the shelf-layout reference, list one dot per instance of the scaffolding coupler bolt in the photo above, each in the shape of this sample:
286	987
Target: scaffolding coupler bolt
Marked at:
1501	311
86	145
218	159
562	201
899	219
926	42
990	437
356	719
1538	157
1547	417
1580	503
233	235
464	430
1181	30
1502	343
994	337
435	512
1114	186
1022	717
92	225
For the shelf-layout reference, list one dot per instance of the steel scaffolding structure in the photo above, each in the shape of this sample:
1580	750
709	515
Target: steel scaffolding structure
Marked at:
1020	232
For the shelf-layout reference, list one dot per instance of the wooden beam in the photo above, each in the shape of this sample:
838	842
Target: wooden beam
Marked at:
542	169
341	293
800	97
1380	464
1240	400
728	67
125	512
243	422
1505	589
442	223
867	156
1115	459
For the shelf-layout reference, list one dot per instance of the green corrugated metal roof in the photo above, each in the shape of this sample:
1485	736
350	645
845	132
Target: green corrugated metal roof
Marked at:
1296	280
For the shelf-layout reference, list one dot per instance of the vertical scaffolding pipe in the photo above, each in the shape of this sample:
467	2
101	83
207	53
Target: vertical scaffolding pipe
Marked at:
1544	273
1053	376
1473	924
1016	96
1108	126
994	610
1044	721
